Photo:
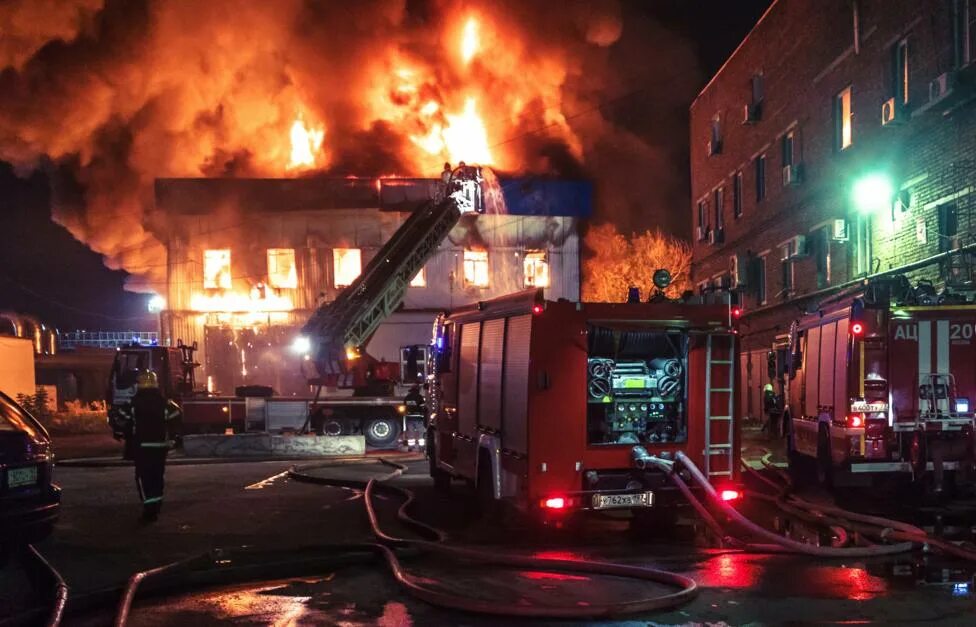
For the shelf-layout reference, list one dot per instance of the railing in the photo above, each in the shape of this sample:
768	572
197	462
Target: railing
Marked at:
106	339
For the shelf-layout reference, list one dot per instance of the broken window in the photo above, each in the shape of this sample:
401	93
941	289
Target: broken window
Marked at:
476	268
536	269
216	269
420	279
282	272
346	265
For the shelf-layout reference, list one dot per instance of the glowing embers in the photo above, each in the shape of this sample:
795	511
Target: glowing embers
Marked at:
216	269
476	268
536	269
347	263
282	272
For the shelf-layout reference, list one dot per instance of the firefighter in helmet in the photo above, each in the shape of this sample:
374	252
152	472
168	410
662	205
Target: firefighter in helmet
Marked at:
414	401
154	424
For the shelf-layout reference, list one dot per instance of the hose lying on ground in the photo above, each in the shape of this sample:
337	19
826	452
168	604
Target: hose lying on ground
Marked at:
883	529
392	549
641	457
40	568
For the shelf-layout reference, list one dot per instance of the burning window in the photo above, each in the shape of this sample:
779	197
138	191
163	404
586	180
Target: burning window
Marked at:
347	263
420	280
216	269
844	119
536	269
476	268
281	268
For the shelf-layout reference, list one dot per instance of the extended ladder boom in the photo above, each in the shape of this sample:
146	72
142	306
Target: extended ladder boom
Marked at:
338	330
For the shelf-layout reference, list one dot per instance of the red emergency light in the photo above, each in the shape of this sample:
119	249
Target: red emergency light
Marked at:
736	312
537	309
730	495
857	329
555	502
855	420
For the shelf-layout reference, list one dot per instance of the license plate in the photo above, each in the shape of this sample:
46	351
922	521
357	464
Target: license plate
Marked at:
17	477
609	501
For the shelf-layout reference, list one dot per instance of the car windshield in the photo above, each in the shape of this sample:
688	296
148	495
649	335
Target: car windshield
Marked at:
13	418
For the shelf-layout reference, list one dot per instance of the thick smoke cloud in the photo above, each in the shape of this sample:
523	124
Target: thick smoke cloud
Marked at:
115	94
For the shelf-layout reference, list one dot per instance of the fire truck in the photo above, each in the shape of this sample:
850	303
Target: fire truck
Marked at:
355	394
548	406
881	381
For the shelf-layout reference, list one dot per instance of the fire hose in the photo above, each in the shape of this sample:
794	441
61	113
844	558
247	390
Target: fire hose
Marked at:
642	459
875	526
392	548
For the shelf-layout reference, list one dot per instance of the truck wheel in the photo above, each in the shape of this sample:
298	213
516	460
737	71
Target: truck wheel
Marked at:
442	480
825	465
382	432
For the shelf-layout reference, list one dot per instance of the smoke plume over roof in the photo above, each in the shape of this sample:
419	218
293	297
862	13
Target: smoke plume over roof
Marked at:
109	95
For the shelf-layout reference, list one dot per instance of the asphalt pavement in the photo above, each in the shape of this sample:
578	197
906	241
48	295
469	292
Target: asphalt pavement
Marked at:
99	542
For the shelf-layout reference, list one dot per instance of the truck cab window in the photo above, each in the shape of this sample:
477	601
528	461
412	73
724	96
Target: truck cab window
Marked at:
636	386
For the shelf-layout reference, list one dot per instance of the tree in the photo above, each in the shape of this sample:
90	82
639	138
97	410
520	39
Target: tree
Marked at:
616	262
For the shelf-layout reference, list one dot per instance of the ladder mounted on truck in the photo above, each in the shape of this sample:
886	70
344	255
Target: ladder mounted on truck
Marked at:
338	330
719	405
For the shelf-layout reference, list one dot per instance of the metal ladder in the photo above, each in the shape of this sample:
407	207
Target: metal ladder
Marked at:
720	423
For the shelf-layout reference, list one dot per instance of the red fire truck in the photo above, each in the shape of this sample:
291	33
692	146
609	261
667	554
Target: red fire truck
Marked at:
882	381
542	404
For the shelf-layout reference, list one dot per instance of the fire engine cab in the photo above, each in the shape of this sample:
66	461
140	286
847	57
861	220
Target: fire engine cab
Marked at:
882	380
547	405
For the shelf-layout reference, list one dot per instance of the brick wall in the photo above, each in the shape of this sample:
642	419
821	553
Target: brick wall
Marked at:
806	55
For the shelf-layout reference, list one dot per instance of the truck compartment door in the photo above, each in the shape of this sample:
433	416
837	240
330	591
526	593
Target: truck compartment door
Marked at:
515	377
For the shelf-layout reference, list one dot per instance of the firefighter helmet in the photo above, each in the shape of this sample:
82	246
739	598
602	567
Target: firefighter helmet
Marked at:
147	379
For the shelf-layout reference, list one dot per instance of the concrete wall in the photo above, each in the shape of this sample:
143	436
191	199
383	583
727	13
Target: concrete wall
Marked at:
805	53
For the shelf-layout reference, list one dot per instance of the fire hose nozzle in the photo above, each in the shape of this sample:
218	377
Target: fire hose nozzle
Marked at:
642	459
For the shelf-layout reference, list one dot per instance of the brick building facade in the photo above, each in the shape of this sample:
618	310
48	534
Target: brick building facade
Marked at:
823	107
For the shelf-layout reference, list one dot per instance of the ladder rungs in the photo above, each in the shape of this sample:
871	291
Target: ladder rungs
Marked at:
720	389
720	473
718	448
720	417
722	361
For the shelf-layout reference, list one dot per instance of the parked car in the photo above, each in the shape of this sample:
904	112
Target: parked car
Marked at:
29	501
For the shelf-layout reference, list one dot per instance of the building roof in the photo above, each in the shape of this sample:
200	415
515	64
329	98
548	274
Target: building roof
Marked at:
734	52
201	196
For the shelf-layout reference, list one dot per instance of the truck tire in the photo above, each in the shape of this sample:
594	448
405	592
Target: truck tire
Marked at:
825	464
382	432
442	480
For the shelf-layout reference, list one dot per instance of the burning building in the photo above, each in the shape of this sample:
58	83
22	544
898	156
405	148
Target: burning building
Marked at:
248	261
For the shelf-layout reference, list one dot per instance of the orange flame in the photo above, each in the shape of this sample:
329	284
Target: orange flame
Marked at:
470	42
305	145
466	138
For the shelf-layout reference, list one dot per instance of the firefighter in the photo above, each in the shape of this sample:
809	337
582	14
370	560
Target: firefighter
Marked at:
154	422
414	401
770	409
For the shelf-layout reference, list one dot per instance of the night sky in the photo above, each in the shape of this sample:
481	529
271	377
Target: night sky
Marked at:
45	272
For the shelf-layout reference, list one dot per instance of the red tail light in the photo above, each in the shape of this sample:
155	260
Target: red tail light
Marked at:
537	309
857	328
556	502
730	495
855	420
737	312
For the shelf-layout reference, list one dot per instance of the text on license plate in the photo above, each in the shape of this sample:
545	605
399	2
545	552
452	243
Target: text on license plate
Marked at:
607	501
17	477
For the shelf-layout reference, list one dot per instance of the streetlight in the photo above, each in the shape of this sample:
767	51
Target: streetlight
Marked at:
873	193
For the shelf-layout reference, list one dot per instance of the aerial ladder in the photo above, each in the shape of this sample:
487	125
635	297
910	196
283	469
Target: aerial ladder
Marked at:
337	332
